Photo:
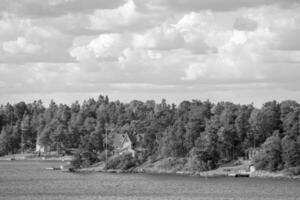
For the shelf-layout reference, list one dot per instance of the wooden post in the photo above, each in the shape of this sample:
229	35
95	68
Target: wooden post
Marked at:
105	147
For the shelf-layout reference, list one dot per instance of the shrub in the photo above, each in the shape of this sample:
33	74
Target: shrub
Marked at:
127	162
124	162
102	155
113	162
76	162
84	159
293	171
201	161
270	156
88	158
259	161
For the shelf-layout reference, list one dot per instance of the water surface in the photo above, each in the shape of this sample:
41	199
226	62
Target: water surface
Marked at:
30	180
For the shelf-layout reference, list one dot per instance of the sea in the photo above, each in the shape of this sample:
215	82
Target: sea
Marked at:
30	180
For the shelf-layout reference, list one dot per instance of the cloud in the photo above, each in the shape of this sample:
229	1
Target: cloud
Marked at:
108	19
245	24
198	46
282	24
54	8
219	5
104	48
173	48
161	37
288	40
141	86
133	61
22	41
200	32
21	45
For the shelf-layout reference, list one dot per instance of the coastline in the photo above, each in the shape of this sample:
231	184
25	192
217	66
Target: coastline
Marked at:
35	157
152	168
205	174
219	172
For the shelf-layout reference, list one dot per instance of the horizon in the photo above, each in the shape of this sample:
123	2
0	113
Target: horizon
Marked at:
126	101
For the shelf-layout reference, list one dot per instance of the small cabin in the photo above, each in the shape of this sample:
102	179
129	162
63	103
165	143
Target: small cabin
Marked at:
122	144
39	148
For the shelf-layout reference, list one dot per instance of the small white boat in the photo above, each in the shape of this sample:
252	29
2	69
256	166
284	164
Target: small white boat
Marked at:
232	174
55	168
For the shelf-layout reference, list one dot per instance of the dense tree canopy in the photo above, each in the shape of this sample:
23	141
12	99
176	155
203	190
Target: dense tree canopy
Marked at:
209	133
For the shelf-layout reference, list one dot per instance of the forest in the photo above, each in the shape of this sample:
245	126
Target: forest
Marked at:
210	133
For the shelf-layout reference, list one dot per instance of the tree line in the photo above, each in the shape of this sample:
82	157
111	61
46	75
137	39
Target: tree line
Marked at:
207	133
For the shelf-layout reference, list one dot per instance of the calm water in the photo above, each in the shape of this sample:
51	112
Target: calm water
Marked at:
30	180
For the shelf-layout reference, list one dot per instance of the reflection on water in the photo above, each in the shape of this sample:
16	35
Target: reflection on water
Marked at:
30	180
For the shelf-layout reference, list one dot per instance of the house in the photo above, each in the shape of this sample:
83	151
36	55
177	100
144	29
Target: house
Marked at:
39	148
123	143
128	143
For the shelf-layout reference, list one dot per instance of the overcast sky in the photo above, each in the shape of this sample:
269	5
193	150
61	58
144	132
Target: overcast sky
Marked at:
235	50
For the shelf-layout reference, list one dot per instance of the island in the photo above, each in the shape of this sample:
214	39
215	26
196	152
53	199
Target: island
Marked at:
198	138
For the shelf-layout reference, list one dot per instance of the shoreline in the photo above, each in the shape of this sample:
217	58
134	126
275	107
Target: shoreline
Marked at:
34	157
205	174
144	169
261	174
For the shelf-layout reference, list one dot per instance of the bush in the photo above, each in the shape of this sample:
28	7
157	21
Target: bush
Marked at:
260	162
269	158
200	165
123	162
76	162
84	159
88	158
263	162
293	171
113	162
201	161
102	155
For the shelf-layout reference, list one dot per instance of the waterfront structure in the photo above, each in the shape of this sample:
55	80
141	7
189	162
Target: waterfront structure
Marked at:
122	144
128	143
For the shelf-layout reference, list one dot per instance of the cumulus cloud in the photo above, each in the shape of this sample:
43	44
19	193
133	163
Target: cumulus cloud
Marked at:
162	37
200	32
54	8
22	41
160	47
104	46
21	45
219	5
288	40
121	17
252	54
245	24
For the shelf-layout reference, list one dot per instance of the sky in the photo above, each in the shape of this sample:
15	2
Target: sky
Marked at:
235	50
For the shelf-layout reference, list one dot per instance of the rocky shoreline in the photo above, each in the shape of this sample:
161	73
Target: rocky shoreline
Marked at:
207	174
219	172
152	168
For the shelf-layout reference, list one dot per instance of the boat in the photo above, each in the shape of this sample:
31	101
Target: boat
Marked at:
232	174
55	168
240	174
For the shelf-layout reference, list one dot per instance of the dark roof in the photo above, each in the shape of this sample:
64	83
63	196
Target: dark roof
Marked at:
119	139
